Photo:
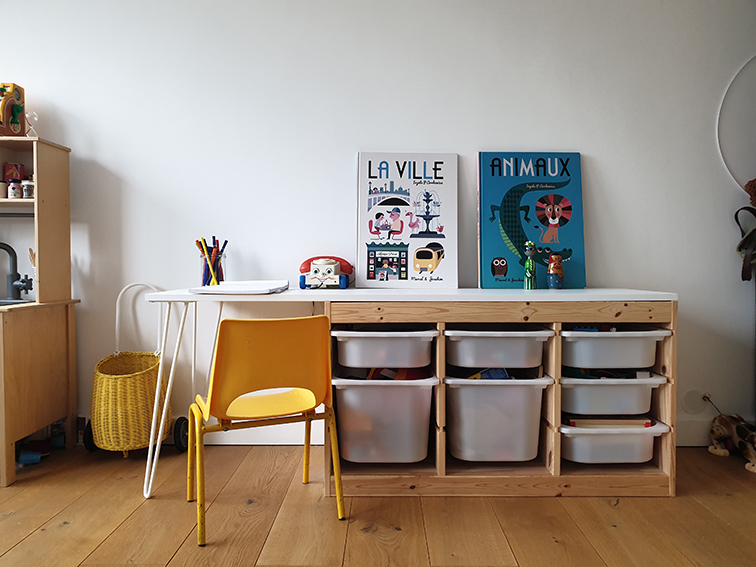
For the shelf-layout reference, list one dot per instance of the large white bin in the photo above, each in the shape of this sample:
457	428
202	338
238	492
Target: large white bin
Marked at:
496	349
494	420
383	421
386	349
619	349
596	396
610	444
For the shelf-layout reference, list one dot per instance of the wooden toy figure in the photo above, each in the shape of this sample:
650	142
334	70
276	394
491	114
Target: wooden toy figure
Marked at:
530	267
555	273
12	118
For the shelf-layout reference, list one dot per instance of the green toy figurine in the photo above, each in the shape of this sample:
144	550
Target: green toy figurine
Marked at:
530	267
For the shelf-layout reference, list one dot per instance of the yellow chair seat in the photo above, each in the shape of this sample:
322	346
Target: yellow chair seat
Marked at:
278	404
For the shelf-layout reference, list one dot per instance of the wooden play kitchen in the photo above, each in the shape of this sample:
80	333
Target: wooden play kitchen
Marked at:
37	338
565	462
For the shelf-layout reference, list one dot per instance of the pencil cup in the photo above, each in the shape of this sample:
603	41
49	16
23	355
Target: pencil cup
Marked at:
218	269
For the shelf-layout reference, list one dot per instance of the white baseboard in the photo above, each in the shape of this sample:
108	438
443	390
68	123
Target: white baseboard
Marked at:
693	431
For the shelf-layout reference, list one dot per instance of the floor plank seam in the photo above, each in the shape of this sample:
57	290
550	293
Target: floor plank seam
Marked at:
58	513
501	527
582	532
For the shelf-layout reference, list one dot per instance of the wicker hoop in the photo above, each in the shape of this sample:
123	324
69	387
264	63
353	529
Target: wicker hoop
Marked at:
122	400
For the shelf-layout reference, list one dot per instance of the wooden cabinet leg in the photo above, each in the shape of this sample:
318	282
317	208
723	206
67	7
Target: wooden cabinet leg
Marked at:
71	415
7	464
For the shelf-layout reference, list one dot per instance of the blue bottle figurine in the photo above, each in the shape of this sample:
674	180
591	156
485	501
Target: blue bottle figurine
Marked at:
555	273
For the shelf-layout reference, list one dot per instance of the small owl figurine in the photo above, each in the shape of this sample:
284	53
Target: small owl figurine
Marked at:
555	273
499	267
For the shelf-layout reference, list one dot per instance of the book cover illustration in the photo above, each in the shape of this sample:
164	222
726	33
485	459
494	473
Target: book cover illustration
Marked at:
529	197
407	220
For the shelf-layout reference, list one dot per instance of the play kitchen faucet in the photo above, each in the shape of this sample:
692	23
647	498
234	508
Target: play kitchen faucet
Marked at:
16	284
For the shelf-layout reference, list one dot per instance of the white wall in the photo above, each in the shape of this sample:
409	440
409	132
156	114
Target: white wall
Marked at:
243	119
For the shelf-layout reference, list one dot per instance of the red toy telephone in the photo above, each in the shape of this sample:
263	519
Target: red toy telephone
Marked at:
325	271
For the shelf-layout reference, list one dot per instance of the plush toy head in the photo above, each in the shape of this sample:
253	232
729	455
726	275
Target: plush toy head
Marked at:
731	432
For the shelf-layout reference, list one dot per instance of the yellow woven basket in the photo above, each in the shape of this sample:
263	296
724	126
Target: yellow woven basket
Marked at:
123	394
123	397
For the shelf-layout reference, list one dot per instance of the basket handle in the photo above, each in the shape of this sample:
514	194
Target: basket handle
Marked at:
118	316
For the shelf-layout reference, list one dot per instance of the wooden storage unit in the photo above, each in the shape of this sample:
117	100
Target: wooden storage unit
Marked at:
548	475
38	339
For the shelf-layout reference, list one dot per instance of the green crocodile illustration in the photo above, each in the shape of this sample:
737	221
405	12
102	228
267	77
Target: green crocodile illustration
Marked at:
510	224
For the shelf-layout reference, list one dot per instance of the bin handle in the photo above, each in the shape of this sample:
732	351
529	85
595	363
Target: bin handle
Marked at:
118	316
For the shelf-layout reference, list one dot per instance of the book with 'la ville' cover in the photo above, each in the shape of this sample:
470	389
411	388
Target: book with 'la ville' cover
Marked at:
529	196
407	220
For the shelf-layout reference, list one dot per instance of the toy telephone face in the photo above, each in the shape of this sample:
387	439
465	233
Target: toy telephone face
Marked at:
324	272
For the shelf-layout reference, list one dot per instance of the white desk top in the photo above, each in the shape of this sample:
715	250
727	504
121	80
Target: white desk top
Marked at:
375	295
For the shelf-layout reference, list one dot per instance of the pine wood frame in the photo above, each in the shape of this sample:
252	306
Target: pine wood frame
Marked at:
441	475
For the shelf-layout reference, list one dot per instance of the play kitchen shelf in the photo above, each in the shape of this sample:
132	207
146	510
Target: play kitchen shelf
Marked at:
551	316
37	337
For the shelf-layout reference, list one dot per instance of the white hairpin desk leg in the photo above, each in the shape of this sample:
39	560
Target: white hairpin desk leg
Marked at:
194	348
153	452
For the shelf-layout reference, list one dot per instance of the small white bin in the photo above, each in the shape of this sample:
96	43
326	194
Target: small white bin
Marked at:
494	420
610	444
383	421
619	349
613	396
496	349
386	349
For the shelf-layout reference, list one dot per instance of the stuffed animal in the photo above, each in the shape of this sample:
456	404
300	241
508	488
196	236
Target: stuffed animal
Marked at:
730	432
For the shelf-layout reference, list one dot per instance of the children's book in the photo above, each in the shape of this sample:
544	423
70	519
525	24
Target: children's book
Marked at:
407	220
533	197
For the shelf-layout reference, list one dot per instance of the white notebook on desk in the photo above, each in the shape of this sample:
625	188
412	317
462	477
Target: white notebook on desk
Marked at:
251	287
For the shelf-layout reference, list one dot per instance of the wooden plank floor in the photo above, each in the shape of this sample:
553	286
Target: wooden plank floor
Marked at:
77	508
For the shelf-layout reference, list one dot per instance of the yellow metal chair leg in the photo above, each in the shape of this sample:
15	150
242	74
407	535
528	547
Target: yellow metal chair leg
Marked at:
306	468
336	464
190	457
200	484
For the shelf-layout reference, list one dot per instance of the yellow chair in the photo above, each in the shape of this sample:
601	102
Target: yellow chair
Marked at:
254	359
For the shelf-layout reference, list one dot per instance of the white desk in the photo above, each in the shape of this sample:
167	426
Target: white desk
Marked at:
321	300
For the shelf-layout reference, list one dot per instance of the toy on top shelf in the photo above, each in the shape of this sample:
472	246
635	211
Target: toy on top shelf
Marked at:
12	118
555	273
530	267
325	271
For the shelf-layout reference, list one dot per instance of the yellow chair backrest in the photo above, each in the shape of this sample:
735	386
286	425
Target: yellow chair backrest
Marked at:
258	354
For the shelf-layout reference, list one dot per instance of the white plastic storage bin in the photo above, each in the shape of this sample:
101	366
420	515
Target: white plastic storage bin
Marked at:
613	396
496	349
494	420
619	349
383	421
388	349
610	444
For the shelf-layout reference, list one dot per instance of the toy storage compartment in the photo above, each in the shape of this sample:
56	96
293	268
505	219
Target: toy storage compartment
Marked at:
608	396
600	445
383	421
627	347
494	420
392	346
497	346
